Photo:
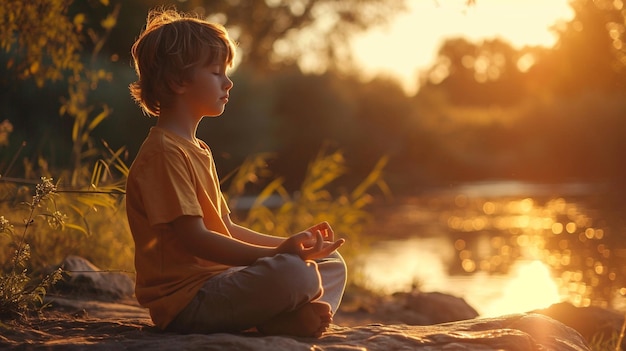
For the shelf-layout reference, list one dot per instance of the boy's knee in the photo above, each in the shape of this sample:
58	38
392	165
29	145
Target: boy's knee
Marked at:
333	264
295	275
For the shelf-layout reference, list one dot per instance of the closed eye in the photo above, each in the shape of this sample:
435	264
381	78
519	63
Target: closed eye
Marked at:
217	69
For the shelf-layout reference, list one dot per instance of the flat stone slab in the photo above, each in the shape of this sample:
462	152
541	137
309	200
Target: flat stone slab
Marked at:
96	325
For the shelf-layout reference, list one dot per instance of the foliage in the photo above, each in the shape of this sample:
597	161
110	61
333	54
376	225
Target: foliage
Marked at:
41	38
78	213
46	44
280	32
50	34
600	342
89	223
18	292
95	224
277	211
431	137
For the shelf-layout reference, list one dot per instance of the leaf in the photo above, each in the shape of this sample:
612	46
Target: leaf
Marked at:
77	227
274	186
34	67
106	111
97	172
109	22
79	20
372	178
75	130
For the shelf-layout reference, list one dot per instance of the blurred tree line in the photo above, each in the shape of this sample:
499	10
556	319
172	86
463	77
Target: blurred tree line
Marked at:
484	109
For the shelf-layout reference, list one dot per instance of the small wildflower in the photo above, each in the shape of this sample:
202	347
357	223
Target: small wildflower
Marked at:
5	225
21	256
57	220
42	190
46	187
5	130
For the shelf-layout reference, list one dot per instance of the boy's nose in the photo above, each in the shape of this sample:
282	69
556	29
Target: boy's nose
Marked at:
229	83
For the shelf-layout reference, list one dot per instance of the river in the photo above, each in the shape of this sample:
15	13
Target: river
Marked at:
505	247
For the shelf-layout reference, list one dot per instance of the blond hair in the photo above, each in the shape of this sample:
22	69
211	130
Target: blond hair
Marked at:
167	50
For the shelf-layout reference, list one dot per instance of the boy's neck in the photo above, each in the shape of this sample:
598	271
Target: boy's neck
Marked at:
177	124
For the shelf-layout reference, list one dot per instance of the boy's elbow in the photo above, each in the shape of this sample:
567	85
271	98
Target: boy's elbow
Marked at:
191	232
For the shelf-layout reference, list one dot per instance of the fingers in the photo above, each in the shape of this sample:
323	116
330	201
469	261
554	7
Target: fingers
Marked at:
309	238
319	241
325	229
315	242
332	247
322	249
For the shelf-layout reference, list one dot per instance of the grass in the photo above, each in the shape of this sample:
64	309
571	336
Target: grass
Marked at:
611	343
313	202
614	343
19	292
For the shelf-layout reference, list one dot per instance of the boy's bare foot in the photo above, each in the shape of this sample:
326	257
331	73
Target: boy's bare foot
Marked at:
310	320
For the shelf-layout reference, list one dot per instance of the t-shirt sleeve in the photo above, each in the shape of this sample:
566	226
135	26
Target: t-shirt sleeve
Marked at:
167	188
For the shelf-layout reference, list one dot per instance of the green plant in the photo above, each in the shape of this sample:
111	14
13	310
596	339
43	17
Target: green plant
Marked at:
94	223
49	42
601	342
620	338
46	43
18	291
313	203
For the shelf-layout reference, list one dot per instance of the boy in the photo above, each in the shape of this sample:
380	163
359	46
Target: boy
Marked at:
197	271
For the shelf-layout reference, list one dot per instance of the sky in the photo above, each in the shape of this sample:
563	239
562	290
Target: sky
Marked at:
409	43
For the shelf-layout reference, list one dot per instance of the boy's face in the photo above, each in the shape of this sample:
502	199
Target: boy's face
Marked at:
206	93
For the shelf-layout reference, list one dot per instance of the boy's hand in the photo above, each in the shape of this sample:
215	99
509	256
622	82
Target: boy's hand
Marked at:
325	229
309	245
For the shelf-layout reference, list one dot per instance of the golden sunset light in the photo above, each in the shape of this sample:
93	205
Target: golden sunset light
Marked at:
321	174
529	287
410	42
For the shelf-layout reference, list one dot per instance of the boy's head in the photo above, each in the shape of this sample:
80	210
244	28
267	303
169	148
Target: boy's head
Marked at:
168	49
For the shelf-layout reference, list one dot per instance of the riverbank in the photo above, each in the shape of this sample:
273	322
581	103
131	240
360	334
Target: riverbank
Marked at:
96	311
87	324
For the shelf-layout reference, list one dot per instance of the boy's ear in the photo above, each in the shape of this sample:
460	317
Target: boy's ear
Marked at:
177	87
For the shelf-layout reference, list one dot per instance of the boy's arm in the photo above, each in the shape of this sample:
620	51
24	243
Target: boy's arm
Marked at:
216	247
219	248
250	236
253	237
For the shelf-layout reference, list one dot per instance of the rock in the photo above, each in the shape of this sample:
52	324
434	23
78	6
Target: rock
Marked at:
413	308
84	324
426	308
590	322
520	332
107	326
82	277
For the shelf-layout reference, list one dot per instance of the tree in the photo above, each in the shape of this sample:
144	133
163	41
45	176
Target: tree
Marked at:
484	74
591	52
275	33
43	41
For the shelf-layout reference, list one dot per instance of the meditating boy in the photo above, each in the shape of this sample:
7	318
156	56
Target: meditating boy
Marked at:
197	271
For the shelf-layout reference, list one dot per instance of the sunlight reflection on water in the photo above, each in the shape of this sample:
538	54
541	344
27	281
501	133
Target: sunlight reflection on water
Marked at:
505	247
399	265
528	287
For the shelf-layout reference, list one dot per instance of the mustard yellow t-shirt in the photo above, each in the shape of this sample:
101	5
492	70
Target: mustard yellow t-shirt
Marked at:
169	178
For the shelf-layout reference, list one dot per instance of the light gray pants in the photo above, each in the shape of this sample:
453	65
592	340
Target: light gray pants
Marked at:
243	297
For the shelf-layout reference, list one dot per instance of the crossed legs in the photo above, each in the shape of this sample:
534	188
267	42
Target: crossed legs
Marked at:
280	295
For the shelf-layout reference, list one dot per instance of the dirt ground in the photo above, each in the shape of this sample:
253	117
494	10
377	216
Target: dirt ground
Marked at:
85	322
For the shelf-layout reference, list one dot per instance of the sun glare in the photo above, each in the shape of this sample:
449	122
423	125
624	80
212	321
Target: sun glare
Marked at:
409	44
529	287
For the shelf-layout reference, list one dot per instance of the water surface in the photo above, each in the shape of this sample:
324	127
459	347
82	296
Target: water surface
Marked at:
505	247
